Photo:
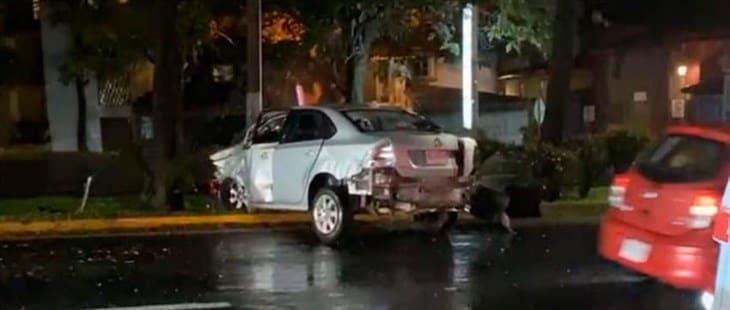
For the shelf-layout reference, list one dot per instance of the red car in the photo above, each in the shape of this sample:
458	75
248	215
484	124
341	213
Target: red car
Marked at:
662	210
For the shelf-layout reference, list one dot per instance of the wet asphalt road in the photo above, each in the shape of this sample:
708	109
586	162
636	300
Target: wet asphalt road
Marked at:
540	268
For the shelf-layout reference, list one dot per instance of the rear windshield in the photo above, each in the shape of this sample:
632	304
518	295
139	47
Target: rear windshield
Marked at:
678	159
372	120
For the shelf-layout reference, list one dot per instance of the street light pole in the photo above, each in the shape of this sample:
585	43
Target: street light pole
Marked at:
254	68
470	64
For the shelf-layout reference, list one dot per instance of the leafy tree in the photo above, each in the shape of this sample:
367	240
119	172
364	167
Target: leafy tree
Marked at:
340	33
109	35
520	23
561	61
97	47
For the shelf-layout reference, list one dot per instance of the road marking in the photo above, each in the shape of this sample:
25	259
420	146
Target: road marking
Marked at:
190	306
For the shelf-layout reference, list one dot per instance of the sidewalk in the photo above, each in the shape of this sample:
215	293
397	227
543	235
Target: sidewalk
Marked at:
169	224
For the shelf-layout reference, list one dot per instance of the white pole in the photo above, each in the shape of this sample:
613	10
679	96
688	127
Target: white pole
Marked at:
470	64
467	70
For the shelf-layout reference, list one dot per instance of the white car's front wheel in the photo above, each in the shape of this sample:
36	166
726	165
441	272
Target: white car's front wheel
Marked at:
232	195
331	215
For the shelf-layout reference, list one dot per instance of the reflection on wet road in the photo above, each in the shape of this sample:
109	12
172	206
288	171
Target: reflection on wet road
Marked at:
540	268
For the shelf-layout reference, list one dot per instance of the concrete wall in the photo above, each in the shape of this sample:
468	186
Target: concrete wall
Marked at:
449	75
502	126
62	111
639	72
61	101
535	85
93	117
620	73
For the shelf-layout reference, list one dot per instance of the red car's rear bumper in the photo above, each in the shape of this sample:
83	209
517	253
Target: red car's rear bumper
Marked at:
683	261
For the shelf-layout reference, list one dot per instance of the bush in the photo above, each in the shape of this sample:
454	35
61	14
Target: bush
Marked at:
580	163
486	148
545	166
550	165
589	163
596	156
622	147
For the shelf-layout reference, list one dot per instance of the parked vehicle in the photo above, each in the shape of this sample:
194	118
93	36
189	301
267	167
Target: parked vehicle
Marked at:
334	162
662	209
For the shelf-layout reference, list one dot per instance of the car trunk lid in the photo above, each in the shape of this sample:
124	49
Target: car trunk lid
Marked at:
423	154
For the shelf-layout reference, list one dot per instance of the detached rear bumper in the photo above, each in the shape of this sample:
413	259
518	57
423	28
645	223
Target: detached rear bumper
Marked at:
387	186
451	195
683	261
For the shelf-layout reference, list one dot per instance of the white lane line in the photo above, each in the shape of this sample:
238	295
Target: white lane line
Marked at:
189	306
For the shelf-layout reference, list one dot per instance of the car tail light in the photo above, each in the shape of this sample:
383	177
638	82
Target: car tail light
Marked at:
705	205
617	193
384	176
384	152
383	155
703	210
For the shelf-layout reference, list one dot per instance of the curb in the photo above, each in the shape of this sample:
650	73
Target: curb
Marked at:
48	229
16	228
144	223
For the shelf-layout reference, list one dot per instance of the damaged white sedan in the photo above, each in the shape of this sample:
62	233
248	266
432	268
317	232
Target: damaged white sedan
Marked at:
338	161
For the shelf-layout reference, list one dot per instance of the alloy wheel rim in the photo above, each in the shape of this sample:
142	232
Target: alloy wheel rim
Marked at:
236	196
327	214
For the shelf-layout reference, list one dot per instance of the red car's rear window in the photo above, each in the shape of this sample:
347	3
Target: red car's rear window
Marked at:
682	158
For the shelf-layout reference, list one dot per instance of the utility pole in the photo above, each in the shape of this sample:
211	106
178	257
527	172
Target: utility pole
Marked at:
254	66
470	67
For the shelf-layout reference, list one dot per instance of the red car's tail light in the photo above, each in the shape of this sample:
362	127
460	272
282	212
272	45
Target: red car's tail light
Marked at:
621	181
617	192
705	205
703	210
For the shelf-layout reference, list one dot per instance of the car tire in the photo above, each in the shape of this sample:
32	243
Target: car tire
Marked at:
231	195
332	217
438	222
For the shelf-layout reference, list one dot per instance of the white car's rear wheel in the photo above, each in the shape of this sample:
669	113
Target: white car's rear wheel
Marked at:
331	216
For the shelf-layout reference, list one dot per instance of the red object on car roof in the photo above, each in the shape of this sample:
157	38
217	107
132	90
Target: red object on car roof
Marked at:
663	209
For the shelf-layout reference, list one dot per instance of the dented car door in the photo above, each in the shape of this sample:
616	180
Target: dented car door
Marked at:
260	176
302	139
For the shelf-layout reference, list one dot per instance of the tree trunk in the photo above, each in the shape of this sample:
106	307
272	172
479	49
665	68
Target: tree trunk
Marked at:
167	105
81	123
254	93
561	63
359	74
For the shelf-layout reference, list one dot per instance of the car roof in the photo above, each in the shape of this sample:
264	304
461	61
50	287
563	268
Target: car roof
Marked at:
710	131
347	107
